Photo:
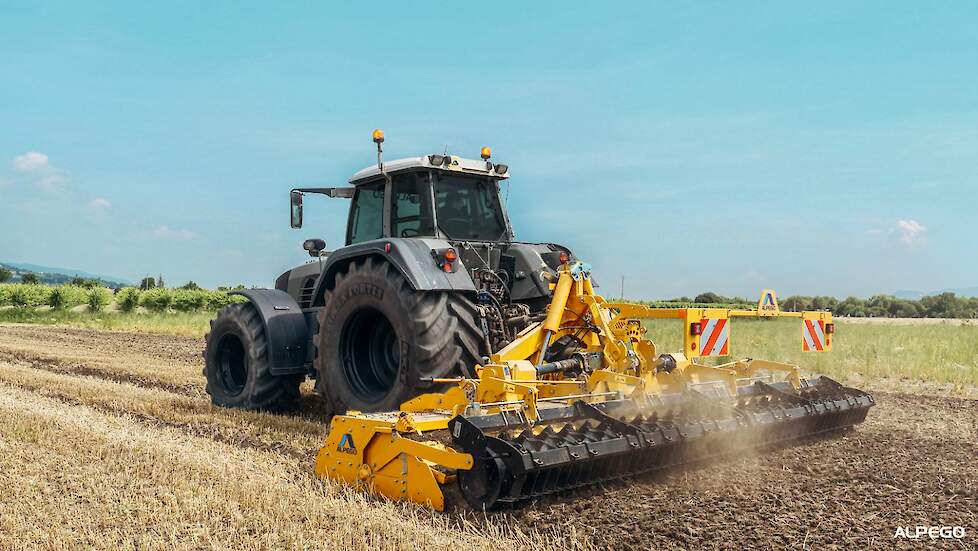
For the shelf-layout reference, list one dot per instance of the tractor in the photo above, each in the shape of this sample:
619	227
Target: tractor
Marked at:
430	281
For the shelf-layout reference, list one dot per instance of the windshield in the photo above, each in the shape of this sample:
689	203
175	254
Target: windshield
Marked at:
468	208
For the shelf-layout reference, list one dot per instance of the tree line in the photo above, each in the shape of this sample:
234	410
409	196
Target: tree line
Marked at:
151	294
192	296
944	305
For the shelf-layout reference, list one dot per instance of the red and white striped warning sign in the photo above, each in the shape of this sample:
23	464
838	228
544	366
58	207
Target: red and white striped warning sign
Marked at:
715	338
814	333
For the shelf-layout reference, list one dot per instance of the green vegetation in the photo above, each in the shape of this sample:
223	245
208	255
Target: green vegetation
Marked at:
681	303
157	300
191	297
98	298
939	352
944	305
128	299
707	300
25	295
66	296
193	324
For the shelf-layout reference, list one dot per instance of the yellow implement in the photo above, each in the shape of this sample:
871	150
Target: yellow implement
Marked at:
583	396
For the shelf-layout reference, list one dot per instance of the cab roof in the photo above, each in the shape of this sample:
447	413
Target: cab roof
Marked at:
455	164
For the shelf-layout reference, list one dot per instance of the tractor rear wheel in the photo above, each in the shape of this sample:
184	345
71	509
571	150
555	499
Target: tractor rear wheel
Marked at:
378	338
236	364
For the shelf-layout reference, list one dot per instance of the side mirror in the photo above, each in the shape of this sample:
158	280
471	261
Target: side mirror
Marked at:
295	206
314	246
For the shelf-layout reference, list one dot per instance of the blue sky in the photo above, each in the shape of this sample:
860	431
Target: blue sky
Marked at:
829	149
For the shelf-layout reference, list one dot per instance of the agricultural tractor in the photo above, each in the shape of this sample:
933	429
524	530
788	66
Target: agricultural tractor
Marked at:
430	281
448	353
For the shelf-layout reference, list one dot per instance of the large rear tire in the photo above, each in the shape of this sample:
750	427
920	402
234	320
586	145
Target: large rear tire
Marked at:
236	364
378	338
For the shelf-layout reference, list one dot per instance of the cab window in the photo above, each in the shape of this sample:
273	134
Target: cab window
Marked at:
367	217
411	209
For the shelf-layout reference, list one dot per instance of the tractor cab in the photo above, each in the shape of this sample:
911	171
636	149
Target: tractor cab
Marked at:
434	213
434	196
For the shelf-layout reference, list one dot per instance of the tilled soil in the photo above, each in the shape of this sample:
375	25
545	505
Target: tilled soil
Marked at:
914	462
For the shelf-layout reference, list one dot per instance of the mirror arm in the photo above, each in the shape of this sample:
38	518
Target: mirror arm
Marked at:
337	192
295	199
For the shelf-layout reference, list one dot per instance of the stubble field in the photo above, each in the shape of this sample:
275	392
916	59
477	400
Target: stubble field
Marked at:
108	440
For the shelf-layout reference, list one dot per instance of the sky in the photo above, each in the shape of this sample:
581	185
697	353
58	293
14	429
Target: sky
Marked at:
829	148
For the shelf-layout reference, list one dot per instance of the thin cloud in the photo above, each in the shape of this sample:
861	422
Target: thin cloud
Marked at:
910	232
100	203
38	167
51	182
32	161
164	232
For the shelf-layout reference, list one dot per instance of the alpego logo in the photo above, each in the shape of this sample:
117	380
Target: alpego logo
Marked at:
932	532
347	445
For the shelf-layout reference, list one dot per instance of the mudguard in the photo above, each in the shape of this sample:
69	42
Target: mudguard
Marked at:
411	256
285	329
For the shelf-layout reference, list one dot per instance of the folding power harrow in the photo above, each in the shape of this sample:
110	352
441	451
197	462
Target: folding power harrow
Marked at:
582	397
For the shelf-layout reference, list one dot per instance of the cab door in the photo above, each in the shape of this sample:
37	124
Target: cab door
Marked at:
366	220
411	206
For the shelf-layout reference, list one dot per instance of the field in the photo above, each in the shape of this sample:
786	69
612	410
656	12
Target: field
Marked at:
108	440
926	354
188	324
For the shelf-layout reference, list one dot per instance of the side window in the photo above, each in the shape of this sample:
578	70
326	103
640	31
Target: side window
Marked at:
411	212
367	220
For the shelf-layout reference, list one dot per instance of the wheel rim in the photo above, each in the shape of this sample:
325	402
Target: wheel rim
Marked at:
233	364
369	351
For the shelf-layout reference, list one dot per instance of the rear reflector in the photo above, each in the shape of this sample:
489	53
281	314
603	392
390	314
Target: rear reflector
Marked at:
695	328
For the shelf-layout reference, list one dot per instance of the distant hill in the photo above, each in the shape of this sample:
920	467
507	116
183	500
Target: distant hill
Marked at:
917	295
55	276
